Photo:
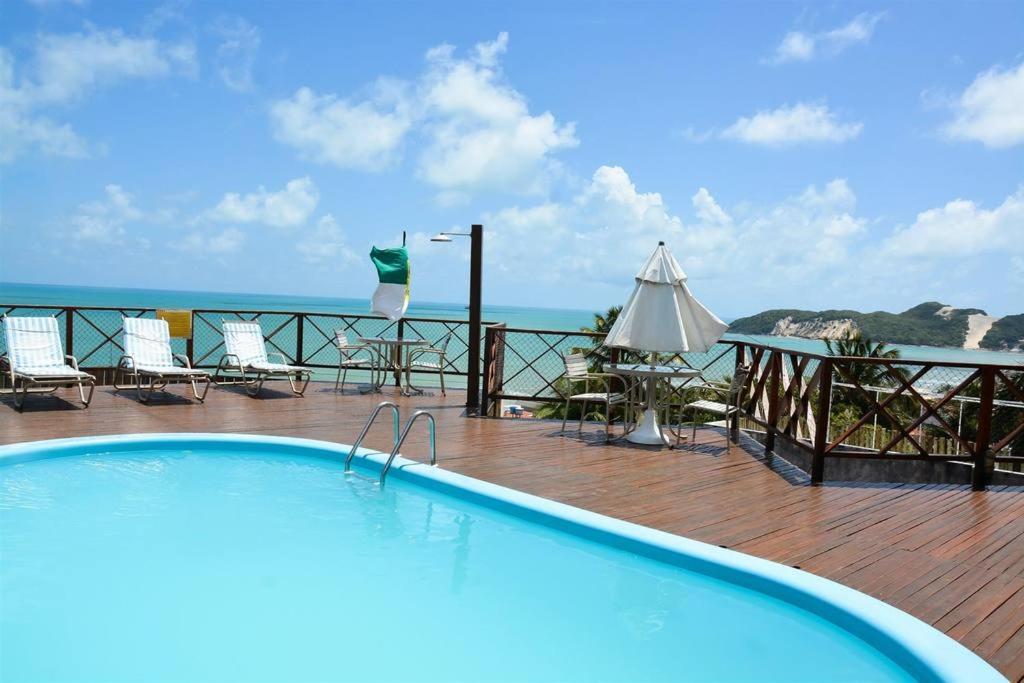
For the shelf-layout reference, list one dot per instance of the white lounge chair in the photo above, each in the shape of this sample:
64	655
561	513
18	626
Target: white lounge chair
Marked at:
36	359
148	356
246	353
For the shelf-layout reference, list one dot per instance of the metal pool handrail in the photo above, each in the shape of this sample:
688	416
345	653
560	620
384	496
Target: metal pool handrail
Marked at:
405	432
395	417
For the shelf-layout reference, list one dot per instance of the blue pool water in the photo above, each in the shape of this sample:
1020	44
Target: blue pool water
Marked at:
229	562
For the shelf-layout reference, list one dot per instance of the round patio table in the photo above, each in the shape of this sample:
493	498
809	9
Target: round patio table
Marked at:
396	357
648	431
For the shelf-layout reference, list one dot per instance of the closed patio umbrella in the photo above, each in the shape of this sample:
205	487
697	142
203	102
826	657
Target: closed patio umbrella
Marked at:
661	316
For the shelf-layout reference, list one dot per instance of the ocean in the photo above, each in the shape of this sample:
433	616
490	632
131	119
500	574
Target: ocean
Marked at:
513	316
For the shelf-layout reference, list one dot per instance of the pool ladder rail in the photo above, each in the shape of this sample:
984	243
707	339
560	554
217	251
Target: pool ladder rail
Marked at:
398	437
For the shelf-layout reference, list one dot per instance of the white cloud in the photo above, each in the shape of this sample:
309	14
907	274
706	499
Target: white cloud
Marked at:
325	244
105	221
364	135
63	69
287	208
961	228
799	46
479	133
236	53
991	109
792	125
600	237
482	135
225	242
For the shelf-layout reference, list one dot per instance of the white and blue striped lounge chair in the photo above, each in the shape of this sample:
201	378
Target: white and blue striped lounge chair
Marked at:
246	354
148	361
36	359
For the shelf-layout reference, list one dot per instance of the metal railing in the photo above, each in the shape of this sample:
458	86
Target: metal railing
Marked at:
94	334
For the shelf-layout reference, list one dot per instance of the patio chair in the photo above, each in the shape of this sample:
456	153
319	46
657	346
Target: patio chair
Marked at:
247	355
347	359
429	358
576	372
731	396
36	360
148	361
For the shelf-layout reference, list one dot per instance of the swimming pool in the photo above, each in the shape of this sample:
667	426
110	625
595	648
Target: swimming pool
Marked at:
225	557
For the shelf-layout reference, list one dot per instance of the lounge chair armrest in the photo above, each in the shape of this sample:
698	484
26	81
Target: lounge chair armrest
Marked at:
226	356
71	360
184	360
130	364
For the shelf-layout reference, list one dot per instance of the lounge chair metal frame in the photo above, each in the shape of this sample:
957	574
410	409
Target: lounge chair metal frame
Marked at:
36	383
252	377
156	380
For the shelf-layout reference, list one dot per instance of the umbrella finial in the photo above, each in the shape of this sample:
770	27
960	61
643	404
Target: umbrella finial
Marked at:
660	243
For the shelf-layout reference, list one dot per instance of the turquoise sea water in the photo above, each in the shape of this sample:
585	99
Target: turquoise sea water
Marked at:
514	316
236	565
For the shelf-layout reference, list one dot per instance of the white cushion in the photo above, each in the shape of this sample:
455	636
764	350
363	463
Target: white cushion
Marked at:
34	342
50	371
266	366
170	370
245	340
148	342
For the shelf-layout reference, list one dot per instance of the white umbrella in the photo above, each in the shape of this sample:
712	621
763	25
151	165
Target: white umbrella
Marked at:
662	315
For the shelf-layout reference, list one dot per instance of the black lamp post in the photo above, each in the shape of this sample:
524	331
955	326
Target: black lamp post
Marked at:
476	257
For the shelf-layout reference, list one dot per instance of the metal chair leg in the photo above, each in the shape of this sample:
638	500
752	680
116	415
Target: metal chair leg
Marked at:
583	415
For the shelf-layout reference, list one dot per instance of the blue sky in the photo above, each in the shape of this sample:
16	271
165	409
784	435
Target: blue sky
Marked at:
853	155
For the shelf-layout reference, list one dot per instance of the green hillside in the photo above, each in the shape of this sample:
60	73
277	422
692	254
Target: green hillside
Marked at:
918	325
1006	334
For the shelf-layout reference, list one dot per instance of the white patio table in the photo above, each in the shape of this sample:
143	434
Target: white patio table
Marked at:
394	355
648	431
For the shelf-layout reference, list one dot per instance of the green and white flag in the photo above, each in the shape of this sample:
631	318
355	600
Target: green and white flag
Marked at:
392	295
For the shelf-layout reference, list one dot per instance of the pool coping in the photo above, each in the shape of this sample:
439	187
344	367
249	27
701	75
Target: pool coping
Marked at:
923	651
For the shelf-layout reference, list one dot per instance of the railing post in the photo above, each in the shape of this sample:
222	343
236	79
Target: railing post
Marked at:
734	424
485	399
824	409
69	331
300	319
979	477
774	401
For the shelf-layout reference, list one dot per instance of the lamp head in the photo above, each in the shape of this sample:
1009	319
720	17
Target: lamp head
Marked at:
440	237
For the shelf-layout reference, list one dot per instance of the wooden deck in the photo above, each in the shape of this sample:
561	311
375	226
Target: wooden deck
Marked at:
949	556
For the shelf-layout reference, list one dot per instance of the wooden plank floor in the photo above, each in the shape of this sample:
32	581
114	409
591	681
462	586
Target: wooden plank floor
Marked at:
950	556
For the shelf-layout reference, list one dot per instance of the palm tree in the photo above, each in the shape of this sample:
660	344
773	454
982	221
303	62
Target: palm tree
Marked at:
850	403
855	345
603	321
